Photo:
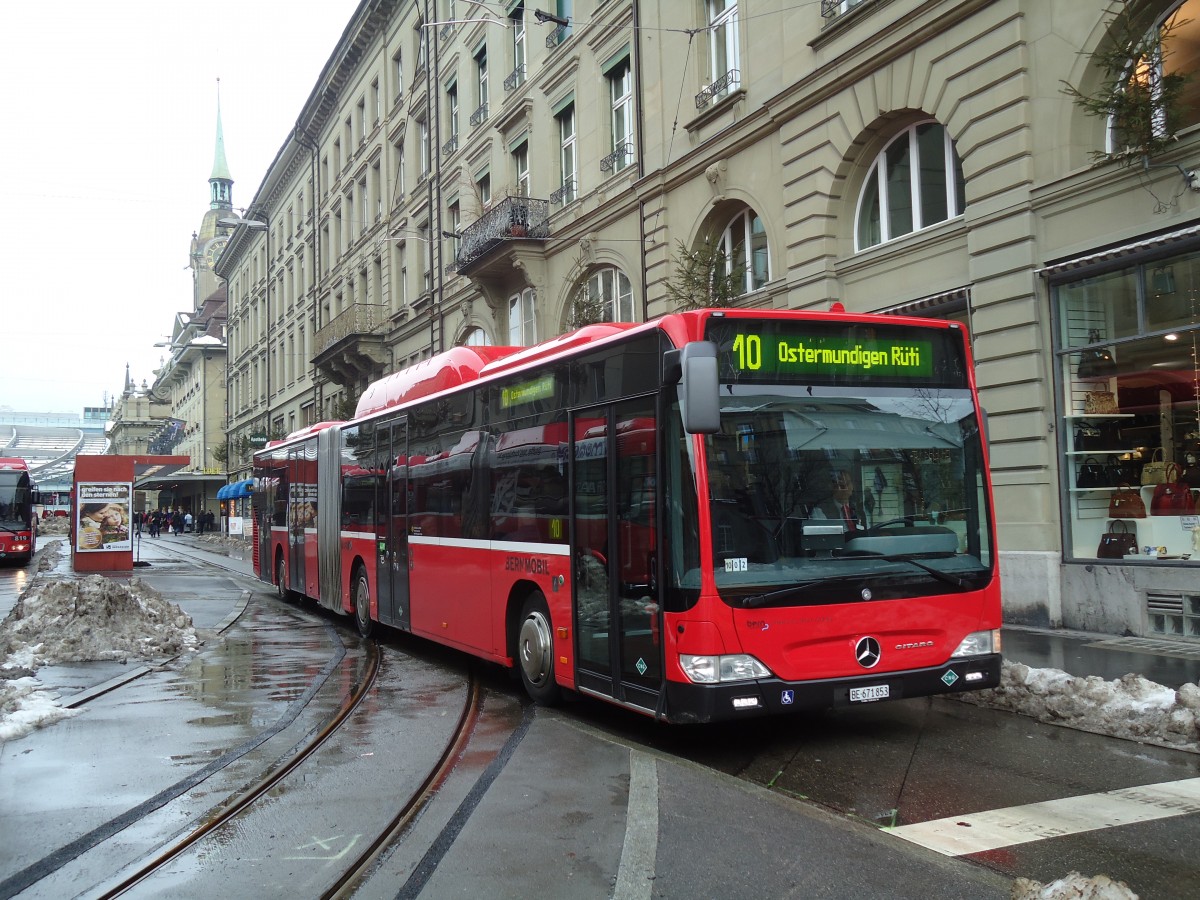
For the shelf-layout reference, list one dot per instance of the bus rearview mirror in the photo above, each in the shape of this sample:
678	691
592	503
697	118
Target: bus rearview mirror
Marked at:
699	391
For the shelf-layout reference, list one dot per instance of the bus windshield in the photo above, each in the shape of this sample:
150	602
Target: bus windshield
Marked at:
838	487
15	501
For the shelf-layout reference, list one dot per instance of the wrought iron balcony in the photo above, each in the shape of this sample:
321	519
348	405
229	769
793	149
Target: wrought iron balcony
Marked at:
351	347
450	146
511	219
357	320
564	194
616	160
557	36
515	79
480	115
718	88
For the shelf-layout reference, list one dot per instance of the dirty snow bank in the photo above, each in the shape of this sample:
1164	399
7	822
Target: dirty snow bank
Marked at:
1130	707
52	525
1073	887
92	618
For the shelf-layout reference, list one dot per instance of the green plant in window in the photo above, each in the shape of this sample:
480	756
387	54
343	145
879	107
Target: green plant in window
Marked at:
587	306
703	278
1139	93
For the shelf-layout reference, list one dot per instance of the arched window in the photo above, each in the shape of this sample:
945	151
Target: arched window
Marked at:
606	296
743	243
914	183
1163	74
476	337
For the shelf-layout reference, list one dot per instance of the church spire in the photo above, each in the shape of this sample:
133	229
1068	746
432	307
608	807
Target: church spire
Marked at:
220	181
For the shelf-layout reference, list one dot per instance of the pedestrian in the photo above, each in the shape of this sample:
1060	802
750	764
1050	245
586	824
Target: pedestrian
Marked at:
155	521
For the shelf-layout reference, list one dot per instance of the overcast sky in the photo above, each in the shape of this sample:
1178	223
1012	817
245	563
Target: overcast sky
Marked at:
109	114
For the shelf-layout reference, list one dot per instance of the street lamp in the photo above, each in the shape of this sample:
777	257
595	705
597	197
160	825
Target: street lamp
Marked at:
259	225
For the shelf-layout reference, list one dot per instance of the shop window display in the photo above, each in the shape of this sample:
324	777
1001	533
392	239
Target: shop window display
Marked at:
1131	411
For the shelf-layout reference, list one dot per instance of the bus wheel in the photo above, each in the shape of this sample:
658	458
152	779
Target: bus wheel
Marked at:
535	651
281	589
362	603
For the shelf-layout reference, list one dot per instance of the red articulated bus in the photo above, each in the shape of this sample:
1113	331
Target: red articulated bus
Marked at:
18	524
716	514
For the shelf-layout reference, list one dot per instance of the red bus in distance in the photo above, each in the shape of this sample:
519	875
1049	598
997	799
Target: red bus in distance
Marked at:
18	521
720	513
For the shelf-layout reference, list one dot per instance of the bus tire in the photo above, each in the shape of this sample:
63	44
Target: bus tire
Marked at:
535	651
362	603
281	590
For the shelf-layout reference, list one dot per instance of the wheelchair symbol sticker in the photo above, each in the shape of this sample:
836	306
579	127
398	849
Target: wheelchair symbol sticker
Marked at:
788	698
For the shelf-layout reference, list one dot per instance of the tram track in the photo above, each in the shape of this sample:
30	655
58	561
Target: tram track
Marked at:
354	868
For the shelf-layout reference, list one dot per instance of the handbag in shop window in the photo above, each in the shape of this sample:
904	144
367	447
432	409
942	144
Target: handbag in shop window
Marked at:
1173	497
1100	403
1126	503
1155	471
1117	542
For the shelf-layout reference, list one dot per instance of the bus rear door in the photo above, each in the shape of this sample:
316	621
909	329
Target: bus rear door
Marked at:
613	551
393	558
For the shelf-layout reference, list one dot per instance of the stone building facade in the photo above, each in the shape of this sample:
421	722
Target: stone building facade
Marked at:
482	174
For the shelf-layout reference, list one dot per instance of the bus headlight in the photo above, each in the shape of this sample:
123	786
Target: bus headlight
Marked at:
714	669
979	642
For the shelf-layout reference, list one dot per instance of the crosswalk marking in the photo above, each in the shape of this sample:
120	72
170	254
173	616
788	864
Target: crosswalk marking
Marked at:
994	828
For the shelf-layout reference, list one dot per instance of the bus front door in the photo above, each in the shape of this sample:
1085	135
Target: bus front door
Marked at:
613	552
393	557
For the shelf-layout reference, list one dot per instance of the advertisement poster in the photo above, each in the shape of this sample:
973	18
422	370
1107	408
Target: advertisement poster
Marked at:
104	511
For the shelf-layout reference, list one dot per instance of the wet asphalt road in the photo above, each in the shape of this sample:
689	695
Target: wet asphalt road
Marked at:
813	789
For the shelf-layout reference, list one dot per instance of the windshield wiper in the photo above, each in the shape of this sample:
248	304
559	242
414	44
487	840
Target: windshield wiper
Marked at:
756	600
947	577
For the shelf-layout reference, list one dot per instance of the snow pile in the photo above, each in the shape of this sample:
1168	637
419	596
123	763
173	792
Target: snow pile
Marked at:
1129	707
1073	887
93	618
54	525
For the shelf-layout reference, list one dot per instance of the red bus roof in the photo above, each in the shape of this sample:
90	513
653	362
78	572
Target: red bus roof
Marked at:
456	366
14	462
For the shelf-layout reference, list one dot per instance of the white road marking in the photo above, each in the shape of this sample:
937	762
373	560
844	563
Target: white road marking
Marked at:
635	873
991	829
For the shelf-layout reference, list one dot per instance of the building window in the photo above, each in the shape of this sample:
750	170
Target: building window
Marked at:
454	219
914	183
520	159
1173	54
620	93
724	63
398	76
1127	342
743	245
483	190
424	148
452	109
476	337
401	188
567	161
521	331
609	291
481	87
516	23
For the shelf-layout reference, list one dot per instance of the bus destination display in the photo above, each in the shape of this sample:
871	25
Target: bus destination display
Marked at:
750	350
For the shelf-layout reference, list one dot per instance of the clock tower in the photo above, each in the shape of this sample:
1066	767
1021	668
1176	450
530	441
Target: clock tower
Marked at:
210	240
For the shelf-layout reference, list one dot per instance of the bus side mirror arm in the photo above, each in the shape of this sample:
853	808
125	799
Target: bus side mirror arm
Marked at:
694	368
